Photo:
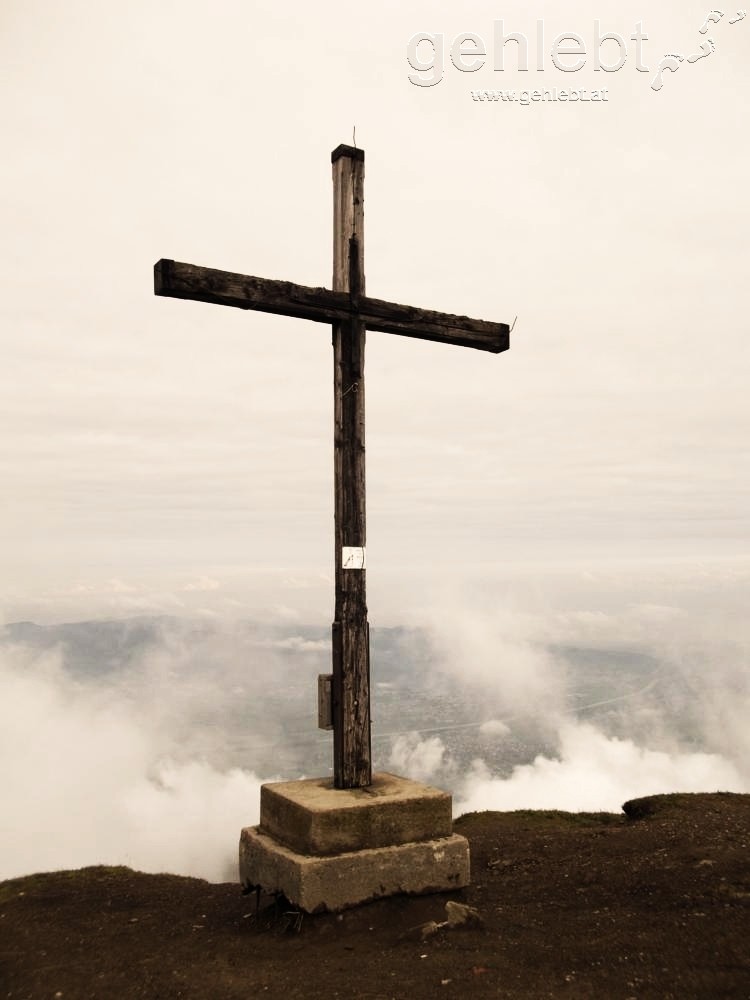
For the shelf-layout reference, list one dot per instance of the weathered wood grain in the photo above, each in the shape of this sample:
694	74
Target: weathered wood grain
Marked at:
352	767
322	305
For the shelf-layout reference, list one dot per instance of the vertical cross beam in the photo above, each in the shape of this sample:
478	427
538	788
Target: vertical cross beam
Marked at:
350	312
352	766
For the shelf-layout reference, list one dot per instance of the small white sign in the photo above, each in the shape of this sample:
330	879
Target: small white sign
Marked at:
352	557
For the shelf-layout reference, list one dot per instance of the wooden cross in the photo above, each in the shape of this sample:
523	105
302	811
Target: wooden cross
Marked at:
350	312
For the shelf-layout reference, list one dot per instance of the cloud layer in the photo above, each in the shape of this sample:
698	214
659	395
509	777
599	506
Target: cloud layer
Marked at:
144	742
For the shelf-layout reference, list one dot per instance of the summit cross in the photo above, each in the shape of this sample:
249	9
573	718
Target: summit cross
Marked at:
350	312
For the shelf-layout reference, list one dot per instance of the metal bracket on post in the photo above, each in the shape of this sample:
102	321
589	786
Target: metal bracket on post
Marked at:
325	701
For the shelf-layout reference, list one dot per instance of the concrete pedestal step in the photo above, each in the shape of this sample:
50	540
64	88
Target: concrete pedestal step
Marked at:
328	849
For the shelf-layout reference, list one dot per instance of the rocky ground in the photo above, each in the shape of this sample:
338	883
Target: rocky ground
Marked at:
654	903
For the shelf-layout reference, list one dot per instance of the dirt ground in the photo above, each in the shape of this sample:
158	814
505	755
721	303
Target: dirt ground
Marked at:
655	903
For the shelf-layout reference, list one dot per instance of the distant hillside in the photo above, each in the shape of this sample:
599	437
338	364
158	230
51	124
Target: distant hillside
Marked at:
236	686
100	646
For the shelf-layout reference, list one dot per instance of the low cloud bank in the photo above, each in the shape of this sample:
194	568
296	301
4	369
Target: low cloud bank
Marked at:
153	757
87	779
590	772
637	701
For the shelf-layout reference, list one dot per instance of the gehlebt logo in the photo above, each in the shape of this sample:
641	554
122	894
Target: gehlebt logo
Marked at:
569	52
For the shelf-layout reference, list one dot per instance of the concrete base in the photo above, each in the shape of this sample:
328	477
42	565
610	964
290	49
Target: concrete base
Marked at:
313	817
328	849
339	881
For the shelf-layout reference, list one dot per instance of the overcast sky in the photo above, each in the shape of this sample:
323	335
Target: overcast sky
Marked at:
166	455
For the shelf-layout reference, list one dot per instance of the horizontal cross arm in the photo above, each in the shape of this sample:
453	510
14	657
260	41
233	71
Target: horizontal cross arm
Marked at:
443	328
204	284
224	288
